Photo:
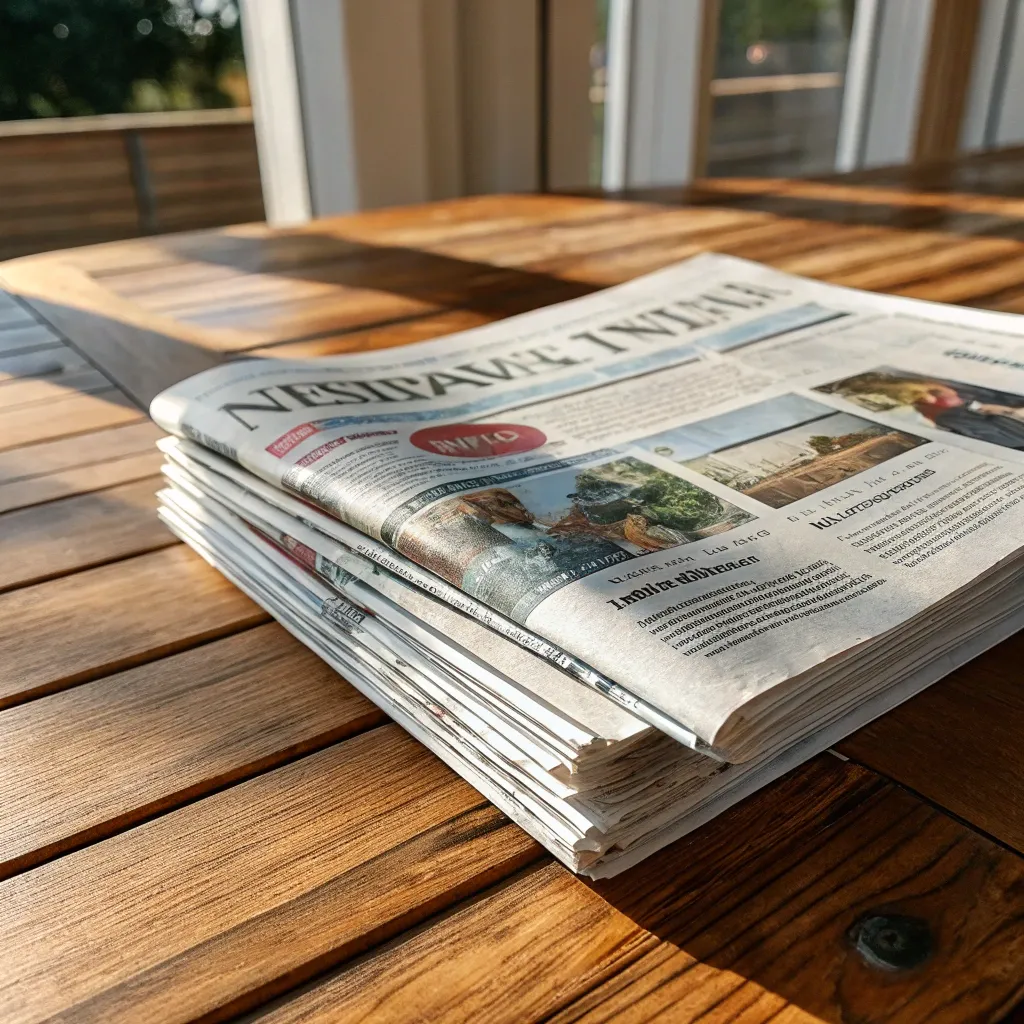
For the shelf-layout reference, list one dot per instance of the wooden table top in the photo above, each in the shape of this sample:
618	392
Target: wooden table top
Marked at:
200	821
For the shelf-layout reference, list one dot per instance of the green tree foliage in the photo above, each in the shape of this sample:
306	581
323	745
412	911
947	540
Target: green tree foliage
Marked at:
824	444
826	23
751	21
610	492
69	57
821	443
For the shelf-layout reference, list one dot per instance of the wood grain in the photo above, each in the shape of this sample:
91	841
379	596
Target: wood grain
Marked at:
88	625
75	414
405	332
371	835
300	862
47	389
78	451
980	710
79	532
176	730
36	490
721	930
634	249
329	286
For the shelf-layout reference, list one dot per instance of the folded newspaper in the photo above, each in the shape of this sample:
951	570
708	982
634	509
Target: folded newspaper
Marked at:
622	561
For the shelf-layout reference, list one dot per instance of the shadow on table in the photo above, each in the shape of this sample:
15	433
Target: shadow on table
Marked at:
763	905
977	195
372	287
312	284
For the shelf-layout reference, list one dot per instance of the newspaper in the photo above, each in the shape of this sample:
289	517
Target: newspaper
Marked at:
737	502
639	806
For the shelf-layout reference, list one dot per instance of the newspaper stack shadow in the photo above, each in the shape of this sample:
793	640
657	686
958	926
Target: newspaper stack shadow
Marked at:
623	561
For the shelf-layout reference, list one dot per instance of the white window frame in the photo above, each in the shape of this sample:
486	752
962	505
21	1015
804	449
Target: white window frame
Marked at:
656	104
994	112
368	103
276	110
884	78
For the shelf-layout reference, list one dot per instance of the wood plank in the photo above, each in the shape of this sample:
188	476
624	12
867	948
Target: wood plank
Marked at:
176	730
75	414
79	451
23	494
48	389
564	239
967	285
25	338
751	242
949	260
872	254
605	267
406	332
749	920
49	362
88	625
980	710
219	301
769	243
378	285
372	835
140	270
80	532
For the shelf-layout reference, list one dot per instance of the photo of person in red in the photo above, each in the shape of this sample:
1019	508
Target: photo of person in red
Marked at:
966	409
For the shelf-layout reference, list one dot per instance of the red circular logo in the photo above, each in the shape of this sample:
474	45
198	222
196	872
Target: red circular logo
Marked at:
478	440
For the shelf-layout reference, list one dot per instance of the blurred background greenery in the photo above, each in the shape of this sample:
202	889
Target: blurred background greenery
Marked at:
66	58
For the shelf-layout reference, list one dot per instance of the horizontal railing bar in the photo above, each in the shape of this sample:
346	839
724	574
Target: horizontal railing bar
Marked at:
125	122
754	84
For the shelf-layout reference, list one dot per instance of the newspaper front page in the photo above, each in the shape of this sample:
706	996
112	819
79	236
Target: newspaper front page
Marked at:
701	485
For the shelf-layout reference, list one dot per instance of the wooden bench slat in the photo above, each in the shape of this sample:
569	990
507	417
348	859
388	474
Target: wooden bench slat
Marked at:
23	494
75	414
75	533
745	920
422	328
130	265
928	260
405	332
49	362
68	453
48	389
100	757
991	277
102	620
196	913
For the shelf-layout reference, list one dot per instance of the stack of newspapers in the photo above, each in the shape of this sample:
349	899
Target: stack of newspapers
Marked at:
623	561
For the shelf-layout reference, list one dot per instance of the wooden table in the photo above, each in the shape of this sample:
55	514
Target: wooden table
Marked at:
200	821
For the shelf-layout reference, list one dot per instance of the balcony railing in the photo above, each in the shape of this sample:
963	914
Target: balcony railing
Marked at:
75	181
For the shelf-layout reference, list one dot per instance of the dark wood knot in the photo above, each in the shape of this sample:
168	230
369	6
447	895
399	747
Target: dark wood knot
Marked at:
894	942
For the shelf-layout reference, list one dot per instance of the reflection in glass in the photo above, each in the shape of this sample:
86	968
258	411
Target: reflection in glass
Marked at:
778	86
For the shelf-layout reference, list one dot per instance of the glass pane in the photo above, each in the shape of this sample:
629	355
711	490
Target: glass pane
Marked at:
65	58
778	86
